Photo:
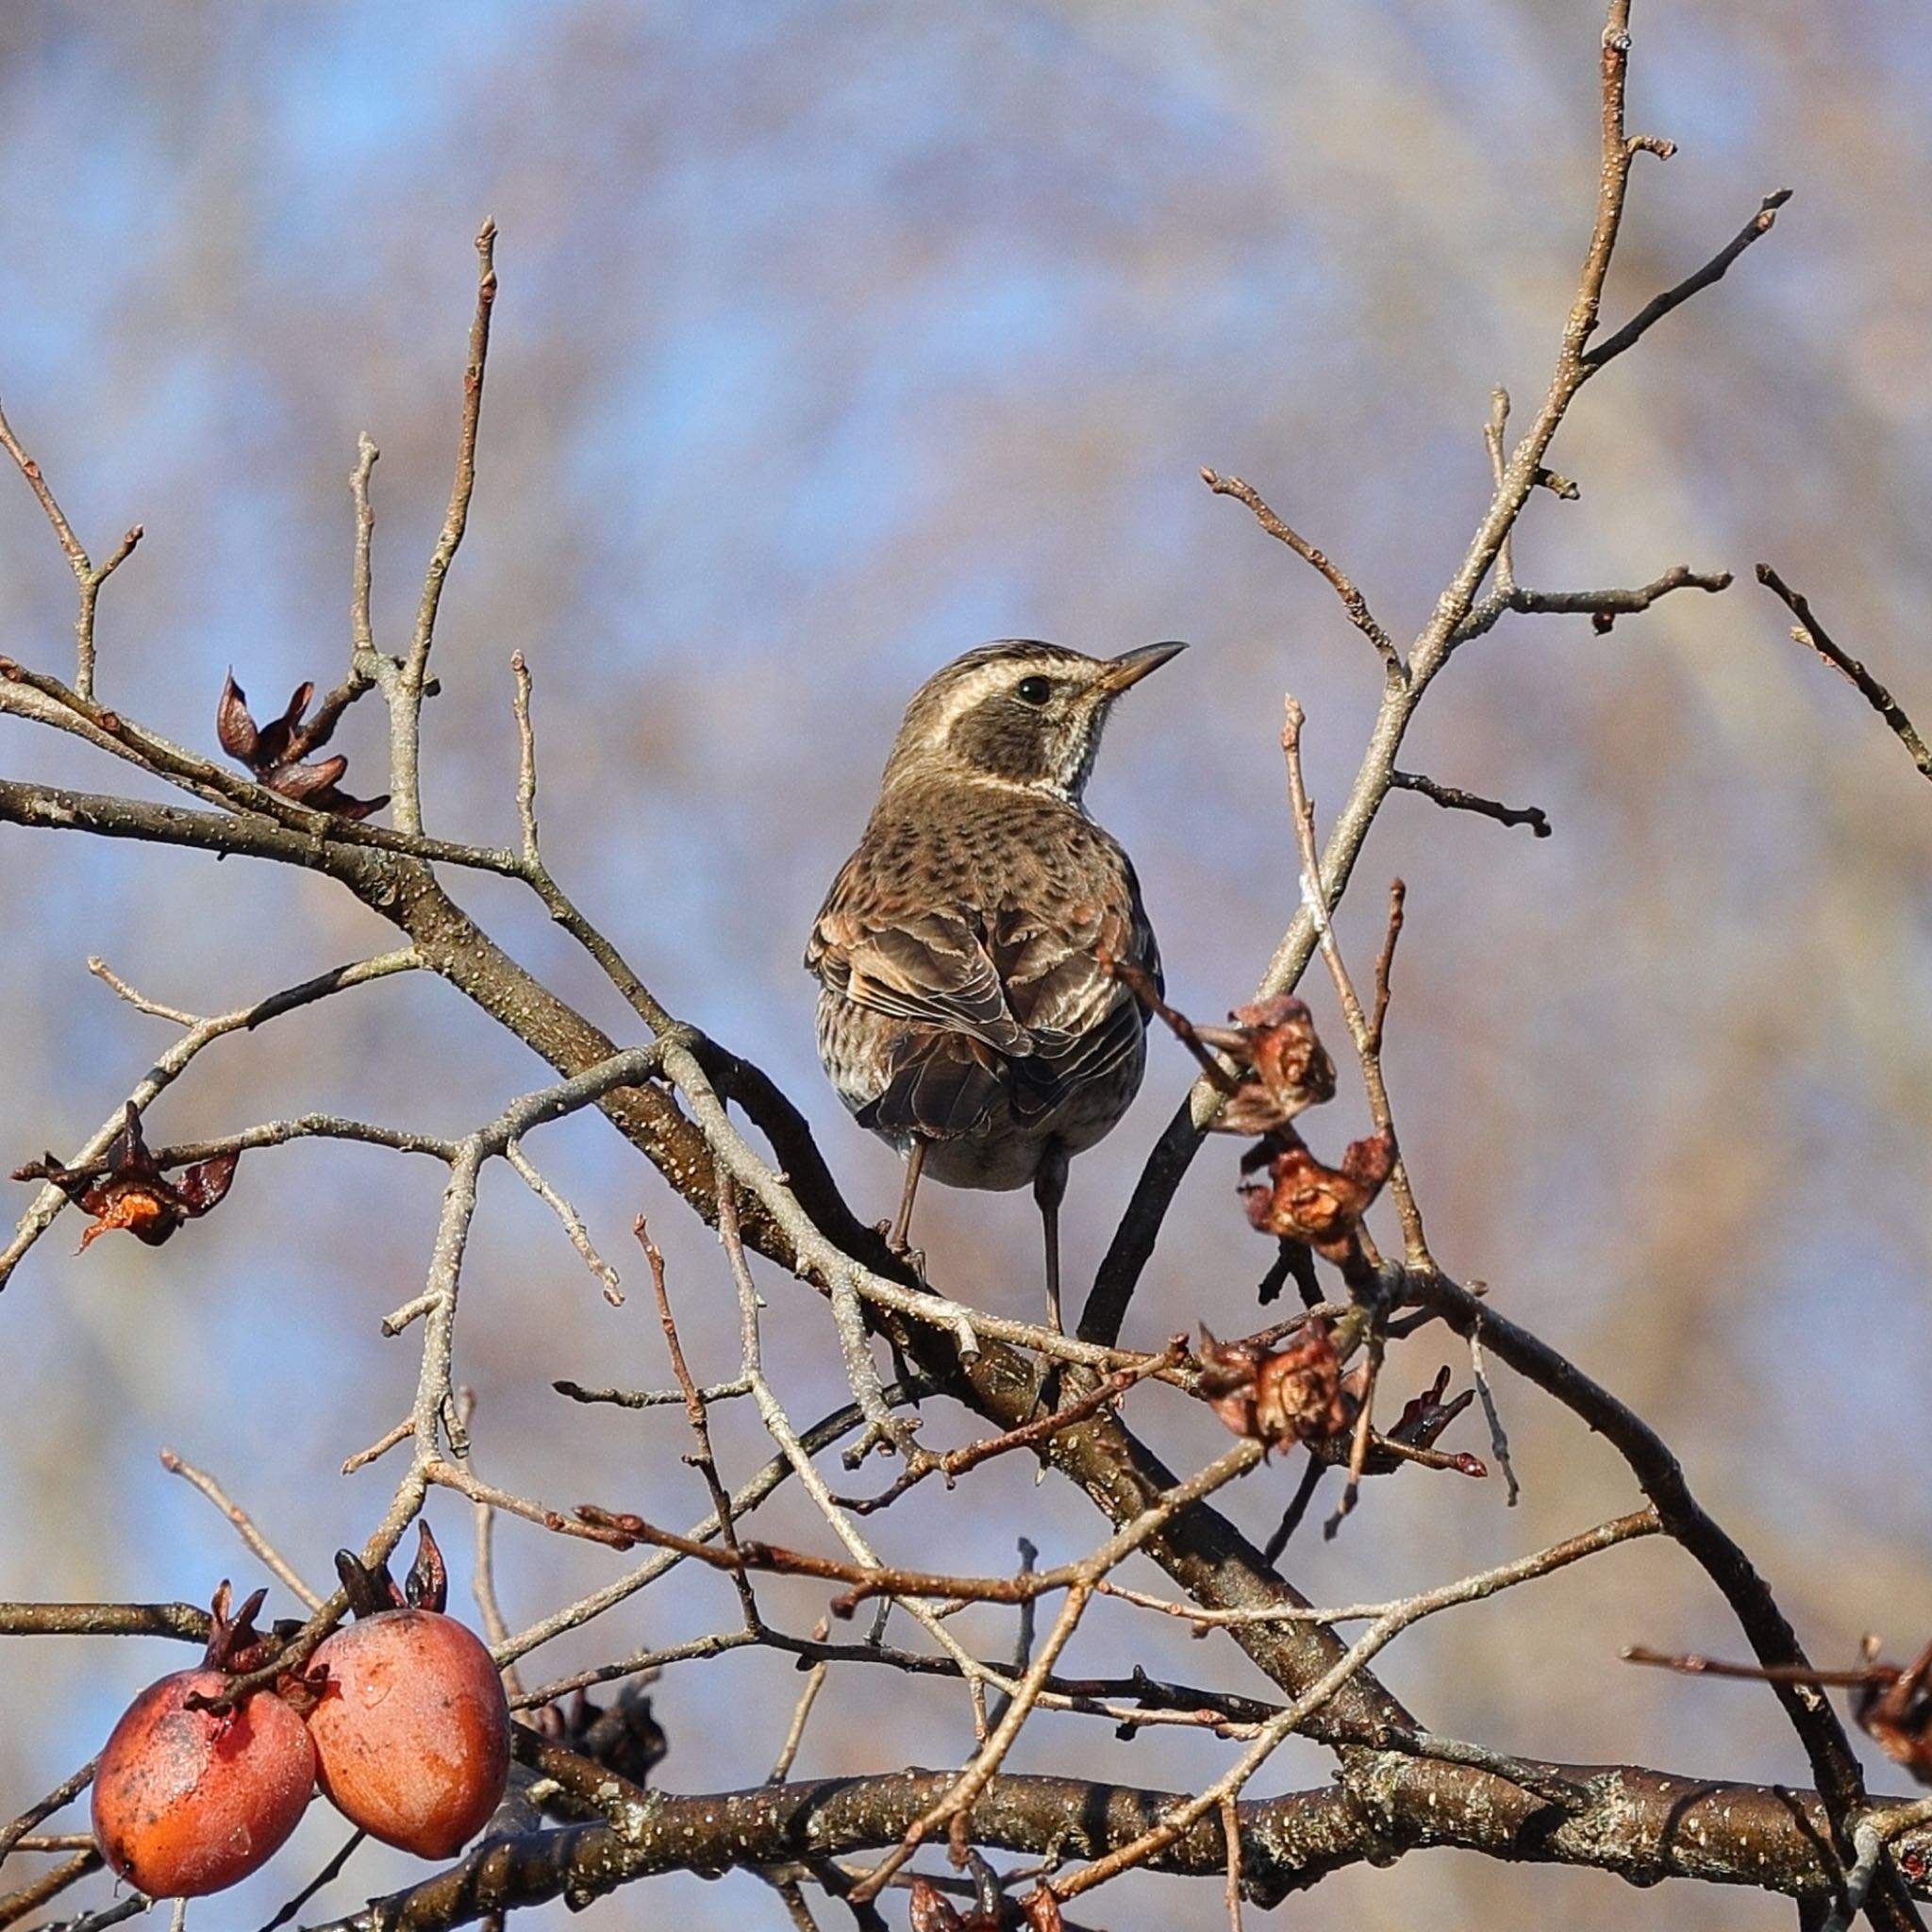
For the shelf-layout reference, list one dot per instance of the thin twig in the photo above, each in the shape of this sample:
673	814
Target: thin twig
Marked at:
1358	1442
377	1449
16	1904
365	669
1452	798
331	1871
138	1000
168	1066
1379	1633
651	1398
572	1223
1367	1040
1492	440
1603	605
1023	1635
1385	963
63	1795
265	1551
1297	1508
953	1463
794	1735
1813	634
483	1567
86	575
1231	1831
406	691
526	758
1499	1439
1352	599
1660	305
362	630
705	1463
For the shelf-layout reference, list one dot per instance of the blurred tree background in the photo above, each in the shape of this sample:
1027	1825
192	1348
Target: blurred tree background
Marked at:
833	341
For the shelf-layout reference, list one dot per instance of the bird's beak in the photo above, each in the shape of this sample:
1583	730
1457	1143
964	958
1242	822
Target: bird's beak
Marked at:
1130	667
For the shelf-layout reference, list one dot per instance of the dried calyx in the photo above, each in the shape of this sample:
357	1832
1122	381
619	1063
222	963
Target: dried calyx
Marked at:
274	751
130	1191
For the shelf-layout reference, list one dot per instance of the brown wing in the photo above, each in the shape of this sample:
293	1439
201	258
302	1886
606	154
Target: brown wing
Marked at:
928	968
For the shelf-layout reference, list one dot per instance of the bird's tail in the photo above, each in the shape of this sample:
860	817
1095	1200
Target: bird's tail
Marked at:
941	1092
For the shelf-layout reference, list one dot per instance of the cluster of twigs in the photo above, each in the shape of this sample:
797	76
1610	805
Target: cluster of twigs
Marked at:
593	1826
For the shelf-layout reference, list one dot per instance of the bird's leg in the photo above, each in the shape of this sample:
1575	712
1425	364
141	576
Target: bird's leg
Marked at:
1049	1188
902	1226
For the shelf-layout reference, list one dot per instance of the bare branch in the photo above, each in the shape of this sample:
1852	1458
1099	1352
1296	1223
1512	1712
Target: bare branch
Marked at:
1813	634
1660	305
169	1066
1662	1477
1352	599
1603	605
271	1557
406	692
88	576
1367	1040
1452	798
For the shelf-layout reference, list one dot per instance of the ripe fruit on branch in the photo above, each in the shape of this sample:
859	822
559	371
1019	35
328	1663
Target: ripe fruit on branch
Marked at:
412	1728
187	1800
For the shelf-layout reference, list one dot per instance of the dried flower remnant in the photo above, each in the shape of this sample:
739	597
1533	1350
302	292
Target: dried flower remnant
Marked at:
1285	1068
274	751
1413	1439
1042	1911
622	1737
1895	1709
928	1910
132	1193
1307	1202
1280	1396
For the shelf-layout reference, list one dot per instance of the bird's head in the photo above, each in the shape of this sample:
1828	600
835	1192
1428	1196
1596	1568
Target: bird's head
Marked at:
1018	712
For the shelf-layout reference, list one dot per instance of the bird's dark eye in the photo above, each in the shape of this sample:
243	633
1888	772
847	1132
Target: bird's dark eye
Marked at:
1033	691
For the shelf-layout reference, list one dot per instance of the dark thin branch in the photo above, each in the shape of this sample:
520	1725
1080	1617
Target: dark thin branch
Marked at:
1809	632
1452	798
16	1904
63	1794
953	1463
1658	307
1352	599
1765	1626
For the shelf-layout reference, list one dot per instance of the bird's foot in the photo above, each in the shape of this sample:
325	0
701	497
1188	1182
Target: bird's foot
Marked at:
913	1258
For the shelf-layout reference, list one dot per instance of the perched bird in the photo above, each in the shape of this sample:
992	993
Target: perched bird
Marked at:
968	1014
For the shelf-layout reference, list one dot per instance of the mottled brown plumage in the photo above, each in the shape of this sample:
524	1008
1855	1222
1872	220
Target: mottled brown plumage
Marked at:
966	1014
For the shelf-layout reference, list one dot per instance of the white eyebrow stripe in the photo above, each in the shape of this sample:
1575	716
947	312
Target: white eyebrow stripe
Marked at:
987	681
